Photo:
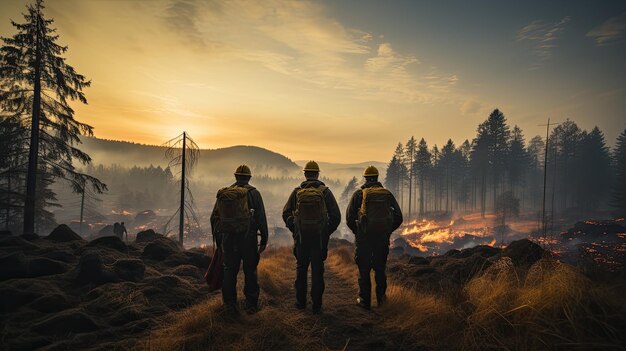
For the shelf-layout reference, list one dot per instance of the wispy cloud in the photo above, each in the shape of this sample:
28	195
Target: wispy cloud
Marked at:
543	37
303	41
610	31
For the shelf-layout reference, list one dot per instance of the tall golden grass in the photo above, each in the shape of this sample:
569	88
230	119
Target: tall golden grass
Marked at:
549	306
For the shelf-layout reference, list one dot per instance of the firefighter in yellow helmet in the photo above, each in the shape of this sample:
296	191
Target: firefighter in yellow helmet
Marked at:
312	215
373	214
238	218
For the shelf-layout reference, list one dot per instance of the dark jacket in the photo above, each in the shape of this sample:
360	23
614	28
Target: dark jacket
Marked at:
352	213
334	216
259	221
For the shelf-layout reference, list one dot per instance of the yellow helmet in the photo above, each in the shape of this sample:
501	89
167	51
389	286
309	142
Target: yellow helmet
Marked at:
243	170
311	166
370	171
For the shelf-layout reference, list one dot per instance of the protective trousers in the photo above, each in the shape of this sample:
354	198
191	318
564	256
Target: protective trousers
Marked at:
309	255
238	248
371	253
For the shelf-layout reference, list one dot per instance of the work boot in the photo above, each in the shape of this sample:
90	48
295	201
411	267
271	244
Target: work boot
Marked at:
317	309
361	303
300	306
251	309
381	300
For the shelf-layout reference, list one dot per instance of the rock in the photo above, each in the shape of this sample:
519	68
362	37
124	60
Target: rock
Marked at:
107	230
188	271
417	260
176	259
160	249
90	268
147	236
67	322
523	252
41	266
482	250
63	233
13	265
112	242
198	258
51	303
129	269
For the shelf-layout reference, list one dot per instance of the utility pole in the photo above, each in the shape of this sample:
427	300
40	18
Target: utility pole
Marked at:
181	225
82	207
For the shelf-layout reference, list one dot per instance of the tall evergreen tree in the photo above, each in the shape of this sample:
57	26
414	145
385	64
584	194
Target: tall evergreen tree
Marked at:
517	161
392	176
423	164
409	153
618	199
594	171
37	84
350	188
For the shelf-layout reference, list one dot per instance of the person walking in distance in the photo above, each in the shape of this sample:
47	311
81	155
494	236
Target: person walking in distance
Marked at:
373	214
312	215
237	219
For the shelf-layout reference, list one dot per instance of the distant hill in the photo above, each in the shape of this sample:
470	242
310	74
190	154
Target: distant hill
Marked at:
345	171
216	162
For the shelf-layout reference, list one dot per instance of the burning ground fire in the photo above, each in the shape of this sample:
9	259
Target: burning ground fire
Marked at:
435	237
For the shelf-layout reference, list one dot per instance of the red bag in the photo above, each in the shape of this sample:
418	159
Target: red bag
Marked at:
215	274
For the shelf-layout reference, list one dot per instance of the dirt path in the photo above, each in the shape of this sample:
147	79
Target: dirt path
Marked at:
278	325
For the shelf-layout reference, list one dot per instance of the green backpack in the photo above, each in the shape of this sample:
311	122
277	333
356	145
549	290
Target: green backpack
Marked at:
232	207
311	215
375	214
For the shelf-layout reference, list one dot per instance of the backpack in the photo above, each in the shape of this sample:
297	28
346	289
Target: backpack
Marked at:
375	214
311	215
233	210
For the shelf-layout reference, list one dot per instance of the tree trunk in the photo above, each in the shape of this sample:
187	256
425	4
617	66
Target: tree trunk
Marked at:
31	180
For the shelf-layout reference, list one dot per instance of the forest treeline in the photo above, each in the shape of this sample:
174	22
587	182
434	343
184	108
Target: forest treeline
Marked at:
583	175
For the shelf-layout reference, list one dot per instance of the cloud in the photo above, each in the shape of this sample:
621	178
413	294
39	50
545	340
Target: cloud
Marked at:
303	41
470	107
610	31
543	37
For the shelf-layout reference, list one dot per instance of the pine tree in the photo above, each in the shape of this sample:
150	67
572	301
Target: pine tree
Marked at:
392	176
423	164
409	153
618	200
594	170
349	190
37	85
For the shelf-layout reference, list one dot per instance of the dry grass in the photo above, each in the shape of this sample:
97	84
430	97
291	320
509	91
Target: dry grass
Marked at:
550	306
554	306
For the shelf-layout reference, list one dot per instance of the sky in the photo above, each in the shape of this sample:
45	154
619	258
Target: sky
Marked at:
339	81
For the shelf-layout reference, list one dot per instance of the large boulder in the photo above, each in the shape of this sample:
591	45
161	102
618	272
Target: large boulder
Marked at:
417	260
90	269
129	269
63	233
160	249
112	242
147	236
15	243
188	271
523	252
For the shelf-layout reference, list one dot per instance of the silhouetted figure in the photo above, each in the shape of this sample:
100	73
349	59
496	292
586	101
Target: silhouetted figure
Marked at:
312	215
237	217
373	214
123	231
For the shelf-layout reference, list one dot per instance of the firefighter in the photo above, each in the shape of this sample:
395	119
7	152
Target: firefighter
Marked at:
238	218
312	215
372	215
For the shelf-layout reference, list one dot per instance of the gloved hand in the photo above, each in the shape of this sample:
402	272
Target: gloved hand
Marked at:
262	248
